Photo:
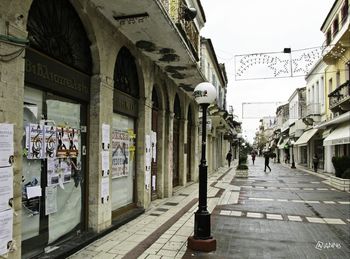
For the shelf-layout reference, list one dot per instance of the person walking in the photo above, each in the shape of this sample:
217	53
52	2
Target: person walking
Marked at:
315	161
267	161
229	158
253	156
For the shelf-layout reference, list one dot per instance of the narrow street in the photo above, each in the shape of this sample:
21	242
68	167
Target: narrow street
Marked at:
287	213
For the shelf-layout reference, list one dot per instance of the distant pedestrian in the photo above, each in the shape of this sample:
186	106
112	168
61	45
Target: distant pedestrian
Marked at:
229	158
253	156
315	161
267	160
286	158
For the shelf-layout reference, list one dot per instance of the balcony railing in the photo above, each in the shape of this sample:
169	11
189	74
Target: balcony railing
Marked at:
340	97
313	109
188	29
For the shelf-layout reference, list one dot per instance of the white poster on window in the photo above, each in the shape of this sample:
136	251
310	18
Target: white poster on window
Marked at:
105	136
105	189
6	188
105	162
153	182
50	200
33	191
36	141
120	153
148	158
6	223
6	144
52	172
50	141
65	171
154	145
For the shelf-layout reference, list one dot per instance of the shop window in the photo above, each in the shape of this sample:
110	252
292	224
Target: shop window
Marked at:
125	73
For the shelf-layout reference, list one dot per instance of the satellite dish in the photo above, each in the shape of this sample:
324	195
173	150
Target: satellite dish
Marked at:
189	13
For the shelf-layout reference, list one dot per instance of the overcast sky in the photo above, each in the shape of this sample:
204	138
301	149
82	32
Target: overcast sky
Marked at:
257	26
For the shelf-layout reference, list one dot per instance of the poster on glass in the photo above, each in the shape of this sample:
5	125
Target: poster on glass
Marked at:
120	153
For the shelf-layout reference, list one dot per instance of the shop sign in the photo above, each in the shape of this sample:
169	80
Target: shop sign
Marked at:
125	104
46	72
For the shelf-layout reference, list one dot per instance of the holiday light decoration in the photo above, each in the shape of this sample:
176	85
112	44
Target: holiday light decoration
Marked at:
276	64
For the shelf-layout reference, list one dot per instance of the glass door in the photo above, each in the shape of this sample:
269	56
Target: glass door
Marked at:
58	209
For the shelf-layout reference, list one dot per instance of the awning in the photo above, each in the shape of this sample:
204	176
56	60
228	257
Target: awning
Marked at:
284	142
339	136
307	135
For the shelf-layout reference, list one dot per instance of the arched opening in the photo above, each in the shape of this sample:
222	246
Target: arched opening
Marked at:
125	112
154	141
176	140
57	88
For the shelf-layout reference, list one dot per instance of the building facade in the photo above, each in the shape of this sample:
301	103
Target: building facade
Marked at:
100	111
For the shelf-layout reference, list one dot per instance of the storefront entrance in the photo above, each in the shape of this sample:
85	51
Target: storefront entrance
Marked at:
123	161
57	210
125	108
58	67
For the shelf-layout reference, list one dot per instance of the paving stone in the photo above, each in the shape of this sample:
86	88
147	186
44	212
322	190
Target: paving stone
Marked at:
294	218
254	215
225	212
236	213
344	202
315	220
334	221
274	216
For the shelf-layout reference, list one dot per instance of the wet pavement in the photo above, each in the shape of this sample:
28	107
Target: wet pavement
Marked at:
288	213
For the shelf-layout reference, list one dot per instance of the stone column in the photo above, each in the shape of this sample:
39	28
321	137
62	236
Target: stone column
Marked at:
143	128
162	147
101	112
195	159
11	112
182	152
168	176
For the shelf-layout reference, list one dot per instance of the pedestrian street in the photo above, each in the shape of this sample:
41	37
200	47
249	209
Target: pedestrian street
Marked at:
286	213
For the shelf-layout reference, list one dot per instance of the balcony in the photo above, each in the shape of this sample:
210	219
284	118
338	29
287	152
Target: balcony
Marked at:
333	46
339	99
151	27
188	29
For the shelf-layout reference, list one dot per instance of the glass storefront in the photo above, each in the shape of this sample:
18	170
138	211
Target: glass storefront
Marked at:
56	207
123	161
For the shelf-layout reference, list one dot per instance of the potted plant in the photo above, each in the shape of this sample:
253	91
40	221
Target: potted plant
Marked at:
242	167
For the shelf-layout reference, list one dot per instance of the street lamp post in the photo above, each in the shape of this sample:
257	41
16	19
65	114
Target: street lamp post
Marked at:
293	163
205	94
